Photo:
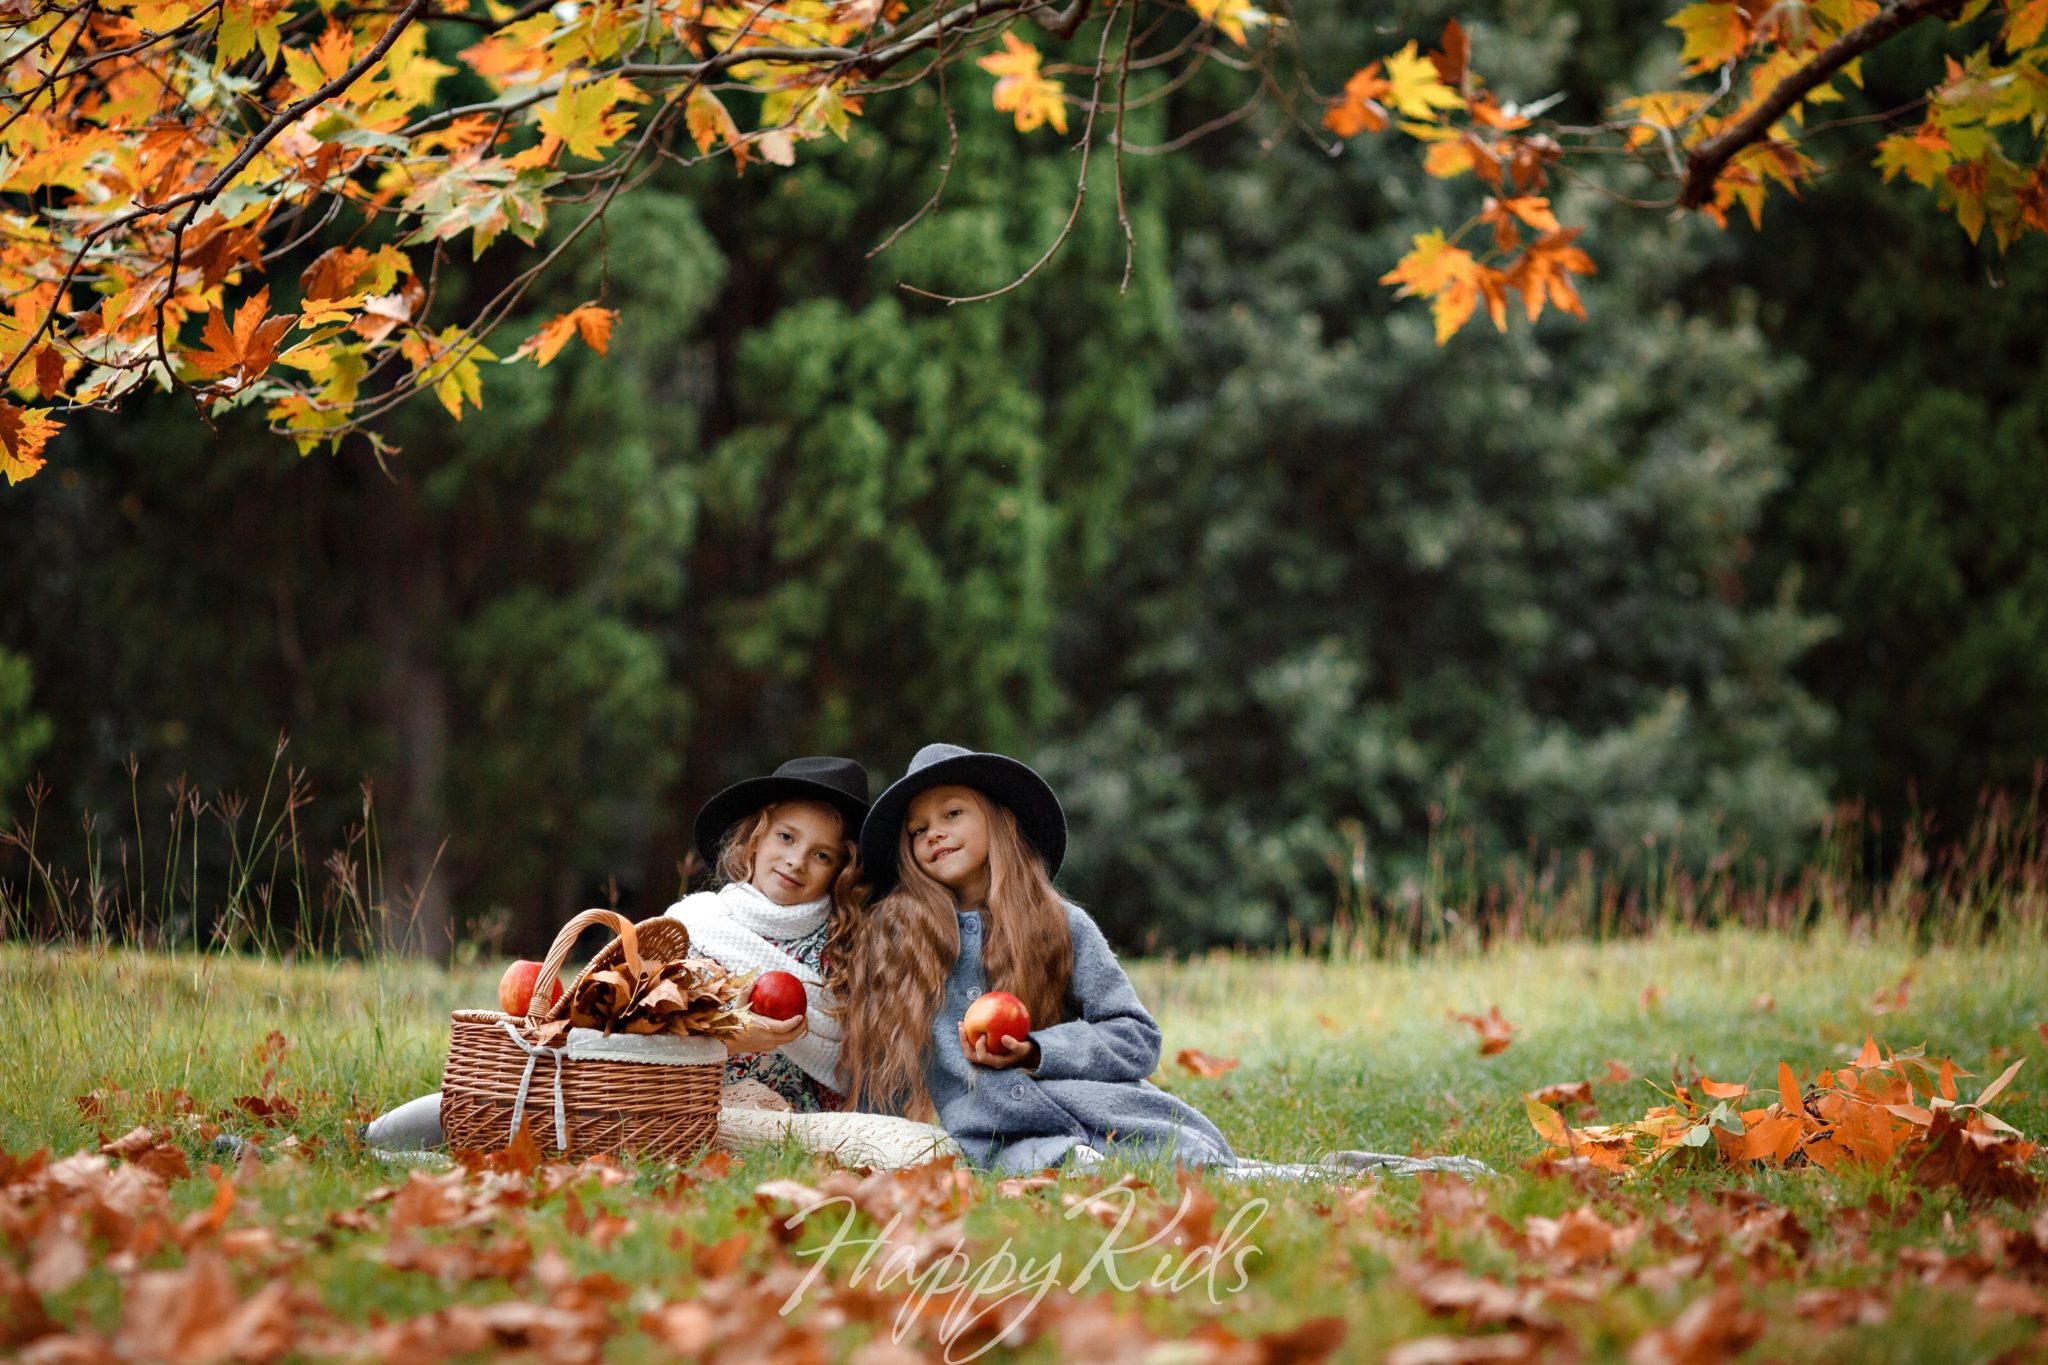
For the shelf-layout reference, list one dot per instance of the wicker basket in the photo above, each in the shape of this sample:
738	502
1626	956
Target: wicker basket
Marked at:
497	1079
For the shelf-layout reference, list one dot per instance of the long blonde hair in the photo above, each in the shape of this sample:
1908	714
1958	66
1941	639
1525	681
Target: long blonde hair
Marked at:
848	892
906	946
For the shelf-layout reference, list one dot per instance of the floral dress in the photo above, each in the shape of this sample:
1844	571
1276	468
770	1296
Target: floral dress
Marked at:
806	1095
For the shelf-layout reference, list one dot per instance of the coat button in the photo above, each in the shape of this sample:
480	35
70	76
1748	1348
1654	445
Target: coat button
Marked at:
1017	1091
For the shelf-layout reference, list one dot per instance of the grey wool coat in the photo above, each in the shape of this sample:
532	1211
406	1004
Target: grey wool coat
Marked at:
1090	1084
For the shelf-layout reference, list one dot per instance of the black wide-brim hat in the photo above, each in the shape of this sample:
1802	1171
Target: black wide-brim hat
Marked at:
1029	797
839	783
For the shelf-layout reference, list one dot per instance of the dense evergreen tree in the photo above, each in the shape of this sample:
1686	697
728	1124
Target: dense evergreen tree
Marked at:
1365	578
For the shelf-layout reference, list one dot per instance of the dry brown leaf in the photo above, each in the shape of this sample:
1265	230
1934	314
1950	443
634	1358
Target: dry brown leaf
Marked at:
1576	1238
1892	998
1495	1033
1841	1306
1576	1094
1507	1348
1446	1287
152	1151
194	1314
1199	1063
1710	1331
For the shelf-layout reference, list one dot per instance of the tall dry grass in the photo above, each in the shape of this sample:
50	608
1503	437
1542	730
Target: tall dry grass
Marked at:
198	872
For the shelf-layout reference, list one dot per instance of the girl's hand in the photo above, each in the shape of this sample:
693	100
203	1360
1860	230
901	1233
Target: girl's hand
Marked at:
1013	1052
765	1035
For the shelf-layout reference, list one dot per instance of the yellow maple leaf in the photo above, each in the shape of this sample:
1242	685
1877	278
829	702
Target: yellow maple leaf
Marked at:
1414	88
1021	90
246	25
1922	156
1450	279
23	434
2024	22
1666	109
448	365
581	117
1716	32
1231	17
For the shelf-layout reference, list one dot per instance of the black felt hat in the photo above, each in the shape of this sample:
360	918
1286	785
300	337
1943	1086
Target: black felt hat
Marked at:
840	783
1029	797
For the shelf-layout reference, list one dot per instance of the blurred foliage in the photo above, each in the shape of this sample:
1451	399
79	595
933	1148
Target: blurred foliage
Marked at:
23	731
1299	610
1374	588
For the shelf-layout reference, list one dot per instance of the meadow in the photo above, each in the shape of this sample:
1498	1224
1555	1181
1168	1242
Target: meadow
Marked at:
319	1250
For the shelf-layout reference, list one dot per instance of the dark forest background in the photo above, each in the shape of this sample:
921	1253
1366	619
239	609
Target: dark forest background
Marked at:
1286	599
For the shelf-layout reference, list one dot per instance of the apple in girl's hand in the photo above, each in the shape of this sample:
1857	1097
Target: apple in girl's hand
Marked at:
515	987
778	995
996	1018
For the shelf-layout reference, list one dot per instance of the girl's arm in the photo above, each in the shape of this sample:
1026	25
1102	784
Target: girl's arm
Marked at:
1112	1038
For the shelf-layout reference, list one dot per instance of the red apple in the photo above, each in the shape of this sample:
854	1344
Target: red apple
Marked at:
515	987
995	1019
778	995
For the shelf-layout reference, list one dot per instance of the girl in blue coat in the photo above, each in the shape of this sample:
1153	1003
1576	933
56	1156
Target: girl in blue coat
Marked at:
962	851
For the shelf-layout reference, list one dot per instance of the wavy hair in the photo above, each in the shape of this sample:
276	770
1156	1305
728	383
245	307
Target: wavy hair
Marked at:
848	891
907	945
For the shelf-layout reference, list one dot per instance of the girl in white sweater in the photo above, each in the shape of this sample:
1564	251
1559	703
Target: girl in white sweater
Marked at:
786	846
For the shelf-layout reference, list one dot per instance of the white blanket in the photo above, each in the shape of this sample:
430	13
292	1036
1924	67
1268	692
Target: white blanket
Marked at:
736	925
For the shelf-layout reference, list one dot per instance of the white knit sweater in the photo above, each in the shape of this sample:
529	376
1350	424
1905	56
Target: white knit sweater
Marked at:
743	929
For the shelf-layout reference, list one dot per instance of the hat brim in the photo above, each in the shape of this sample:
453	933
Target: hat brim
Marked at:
1029	797
742	799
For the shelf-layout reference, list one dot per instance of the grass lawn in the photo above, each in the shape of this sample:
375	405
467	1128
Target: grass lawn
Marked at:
1694	1261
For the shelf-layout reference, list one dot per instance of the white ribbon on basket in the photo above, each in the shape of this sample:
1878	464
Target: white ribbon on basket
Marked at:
591	1044
533	1055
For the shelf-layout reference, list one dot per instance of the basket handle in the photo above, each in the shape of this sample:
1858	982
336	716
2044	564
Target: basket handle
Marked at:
550	969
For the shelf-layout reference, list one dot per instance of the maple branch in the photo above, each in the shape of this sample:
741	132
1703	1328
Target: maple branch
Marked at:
1080	187
1705	164
212	189
945	171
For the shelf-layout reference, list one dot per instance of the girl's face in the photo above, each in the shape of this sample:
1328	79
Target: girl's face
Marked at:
799	853
949	839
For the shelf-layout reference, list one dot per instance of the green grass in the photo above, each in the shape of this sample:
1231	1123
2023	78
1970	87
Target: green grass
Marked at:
1331	1054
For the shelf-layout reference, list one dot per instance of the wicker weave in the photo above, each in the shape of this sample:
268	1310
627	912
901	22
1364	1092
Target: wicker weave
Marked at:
665	1112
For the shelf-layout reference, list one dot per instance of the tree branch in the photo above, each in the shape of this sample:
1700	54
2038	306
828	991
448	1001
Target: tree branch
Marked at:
1706	161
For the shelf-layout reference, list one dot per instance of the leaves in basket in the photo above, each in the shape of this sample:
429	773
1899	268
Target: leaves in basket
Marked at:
694	995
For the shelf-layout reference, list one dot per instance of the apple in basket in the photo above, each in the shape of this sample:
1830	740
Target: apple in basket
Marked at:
995	1019
778	995
515	987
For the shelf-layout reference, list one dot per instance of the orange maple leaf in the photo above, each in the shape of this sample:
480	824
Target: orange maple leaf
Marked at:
1502	215
49	370
1358	109
1495	1032
592	323
1544	271
1453	282
1021	89
239	353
